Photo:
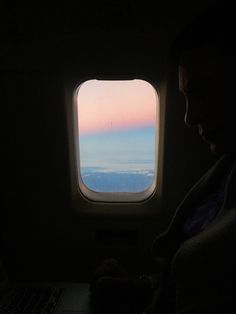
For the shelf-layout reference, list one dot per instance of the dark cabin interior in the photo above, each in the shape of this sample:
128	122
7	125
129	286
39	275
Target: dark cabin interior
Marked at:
43	47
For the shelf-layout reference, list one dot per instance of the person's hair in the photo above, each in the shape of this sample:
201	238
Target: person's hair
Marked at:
213	27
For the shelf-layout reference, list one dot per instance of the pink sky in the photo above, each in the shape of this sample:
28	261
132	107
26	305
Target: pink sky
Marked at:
105	106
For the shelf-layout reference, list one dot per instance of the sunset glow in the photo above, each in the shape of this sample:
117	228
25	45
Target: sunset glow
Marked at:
118	136
106	106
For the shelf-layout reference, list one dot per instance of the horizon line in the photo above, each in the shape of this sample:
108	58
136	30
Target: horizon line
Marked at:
117	130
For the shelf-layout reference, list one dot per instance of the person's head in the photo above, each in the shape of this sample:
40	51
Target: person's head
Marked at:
205	53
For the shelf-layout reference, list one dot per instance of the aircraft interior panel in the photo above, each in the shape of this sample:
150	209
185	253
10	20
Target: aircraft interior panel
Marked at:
45	233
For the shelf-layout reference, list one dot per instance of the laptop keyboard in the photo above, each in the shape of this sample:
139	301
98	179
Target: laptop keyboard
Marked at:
32	301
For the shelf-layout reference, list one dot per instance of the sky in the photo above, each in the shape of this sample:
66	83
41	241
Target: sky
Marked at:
117	134
128	151
106	106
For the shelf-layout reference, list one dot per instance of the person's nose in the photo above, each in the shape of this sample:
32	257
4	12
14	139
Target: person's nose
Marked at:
193	112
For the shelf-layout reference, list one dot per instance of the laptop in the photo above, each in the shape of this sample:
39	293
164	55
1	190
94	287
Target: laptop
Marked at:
42	298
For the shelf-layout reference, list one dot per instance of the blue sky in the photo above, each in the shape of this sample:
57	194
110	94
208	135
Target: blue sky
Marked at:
126	150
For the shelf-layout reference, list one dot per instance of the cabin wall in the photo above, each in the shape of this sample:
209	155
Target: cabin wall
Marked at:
42	236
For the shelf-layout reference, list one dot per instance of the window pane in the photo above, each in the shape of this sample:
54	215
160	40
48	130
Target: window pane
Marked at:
117	123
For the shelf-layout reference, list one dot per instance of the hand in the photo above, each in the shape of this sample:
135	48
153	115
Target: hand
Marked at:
113	290
110	286
109	273
111	268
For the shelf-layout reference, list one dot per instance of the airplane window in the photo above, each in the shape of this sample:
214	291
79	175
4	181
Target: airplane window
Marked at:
117	124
